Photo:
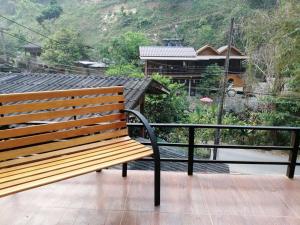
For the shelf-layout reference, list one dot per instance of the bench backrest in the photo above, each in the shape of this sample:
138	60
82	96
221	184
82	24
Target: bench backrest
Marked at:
39	122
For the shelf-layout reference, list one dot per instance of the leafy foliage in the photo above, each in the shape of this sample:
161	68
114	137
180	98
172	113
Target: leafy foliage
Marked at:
167	107
125	48
124	70
64	47
53	11
211	79
198	22
273	42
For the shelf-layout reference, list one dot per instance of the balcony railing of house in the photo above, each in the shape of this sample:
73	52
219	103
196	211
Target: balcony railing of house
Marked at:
175	70
292	148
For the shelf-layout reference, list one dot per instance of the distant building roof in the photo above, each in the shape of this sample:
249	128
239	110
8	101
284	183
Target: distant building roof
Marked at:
207	50
167	51
31	82
32	46
234	50
99	65
91	64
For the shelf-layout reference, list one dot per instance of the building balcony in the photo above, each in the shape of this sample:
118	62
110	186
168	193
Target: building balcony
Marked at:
187	197
107	198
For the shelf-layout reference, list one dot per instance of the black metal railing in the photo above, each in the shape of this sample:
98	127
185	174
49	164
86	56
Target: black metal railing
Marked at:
293	148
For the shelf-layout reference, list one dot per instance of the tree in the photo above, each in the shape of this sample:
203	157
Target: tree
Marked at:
273	42
125	48
64	47
211	80
53	11
262	3
167	108
128	70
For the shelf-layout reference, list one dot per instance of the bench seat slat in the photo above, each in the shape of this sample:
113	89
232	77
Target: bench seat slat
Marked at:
100	164
64	158
23	162
75	161
93	162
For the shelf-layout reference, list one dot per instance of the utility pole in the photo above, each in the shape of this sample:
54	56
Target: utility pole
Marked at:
3	43
223	90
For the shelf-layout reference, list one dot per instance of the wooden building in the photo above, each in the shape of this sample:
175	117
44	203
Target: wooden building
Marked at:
185	65
34	50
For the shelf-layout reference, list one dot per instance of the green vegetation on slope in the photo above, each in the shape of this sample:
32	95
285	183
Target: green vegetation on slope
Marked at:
98	21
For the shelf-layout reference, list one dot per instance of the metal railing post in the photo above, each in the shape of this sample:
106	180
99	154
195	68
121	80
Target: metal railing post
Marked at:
191	150
295	140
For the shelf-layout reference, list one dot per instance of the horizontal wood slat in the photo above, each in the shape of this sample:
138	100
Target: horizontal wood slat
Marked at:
22	131
57	160
71	162
74	167
58	135
63	176
15	97
20	162
6	109
55	114
60	145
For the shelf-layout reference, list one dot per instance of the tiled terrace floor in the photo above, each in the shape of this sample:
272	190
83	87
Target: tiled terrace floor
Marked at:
107	198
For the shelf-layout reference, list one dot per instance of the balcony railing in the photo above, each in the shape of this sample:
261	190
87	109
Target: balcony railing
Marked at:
292	148
179	70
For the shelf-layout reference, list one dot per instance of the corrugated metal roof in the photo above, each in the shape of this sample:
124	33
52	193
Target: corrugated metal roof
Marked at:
167	51
31	82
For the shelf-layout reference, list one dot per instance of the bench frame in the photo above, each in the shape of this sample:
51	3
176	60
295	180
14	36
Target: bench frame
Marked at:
156	155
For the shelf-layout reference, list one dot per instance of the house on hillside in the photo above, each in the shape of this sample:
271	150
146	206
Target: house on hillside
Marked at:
33	50
185	65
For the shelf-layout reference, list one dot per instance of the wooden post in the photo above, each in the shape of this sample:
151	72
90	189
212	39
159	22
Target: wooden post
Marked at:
146	68
190	86
223	89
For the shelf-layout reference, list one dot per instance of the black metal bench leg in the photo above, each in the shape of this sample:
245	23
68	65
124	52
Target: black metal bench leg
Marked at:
99	171
124	170
156	182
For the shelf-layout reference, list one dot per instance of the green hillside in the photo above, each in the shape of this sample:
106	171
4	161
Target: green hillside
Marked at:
98	21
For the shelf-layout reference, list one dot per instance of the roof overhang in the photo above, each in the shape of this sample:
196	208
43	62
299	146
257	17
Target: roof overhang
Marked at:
197	58
157	88
169	58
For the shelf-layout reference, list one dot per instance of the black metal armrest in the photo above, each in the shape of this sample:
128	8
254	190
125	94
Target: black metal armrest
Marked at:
149	129
156	155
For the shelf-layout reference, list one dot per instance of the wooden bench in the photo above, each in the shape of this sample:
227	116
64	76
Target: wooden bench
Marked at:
54	135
